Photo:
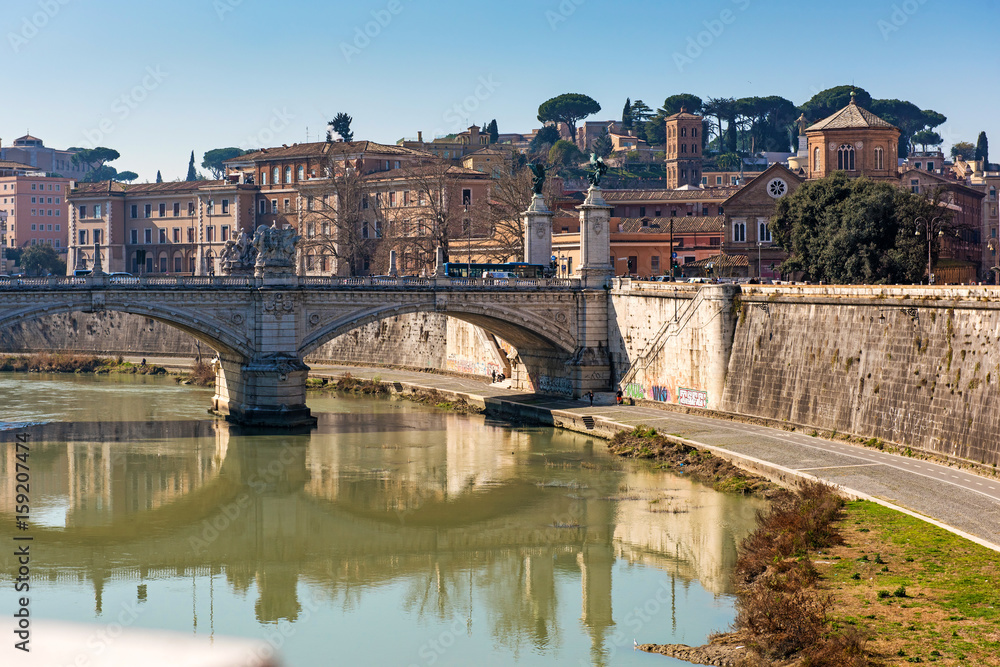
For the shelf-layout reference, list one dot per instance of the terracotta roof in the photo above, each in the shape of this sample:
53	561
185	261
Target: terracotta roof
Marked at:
178	187
9	164
323	148
850	117
667	195
27	137
685	225
683	115
417	171
722	261
490	150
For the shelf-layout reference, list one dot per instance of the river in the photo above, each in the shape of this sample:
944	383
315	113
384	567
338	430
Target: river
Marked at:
393	534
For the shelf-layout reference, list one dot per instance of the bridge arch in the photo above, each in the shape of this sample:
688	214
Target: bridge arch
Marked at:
522	330
206	330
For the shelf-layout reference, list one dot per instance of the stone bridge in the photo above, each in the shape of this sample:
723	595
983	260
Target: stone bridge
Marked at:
262	327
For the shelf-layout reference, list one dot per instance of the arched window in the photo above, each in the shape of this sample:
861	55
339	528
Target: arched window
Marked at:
739	231
763	233
816	159
845	157
277	175
879	158
302	173
263	177
288	174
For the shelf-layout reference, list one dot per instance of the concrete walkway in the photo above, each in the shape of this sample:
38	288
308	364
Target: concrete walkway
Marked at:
947	496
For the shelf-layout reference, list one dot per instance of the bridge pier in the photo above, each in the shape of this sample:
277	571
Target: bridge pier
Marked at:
266	391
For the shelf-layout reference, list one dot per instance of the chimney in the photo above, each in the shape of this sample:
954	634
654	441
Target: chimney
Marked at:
420	136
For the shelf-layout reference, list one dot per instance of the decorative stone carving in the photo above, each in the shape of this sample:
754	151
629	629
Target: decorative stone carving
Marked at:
279	304
239	255
275	249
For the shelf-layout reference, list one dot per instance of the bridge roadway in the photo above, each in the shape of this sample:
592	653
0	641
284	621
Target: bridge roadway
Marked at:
945	495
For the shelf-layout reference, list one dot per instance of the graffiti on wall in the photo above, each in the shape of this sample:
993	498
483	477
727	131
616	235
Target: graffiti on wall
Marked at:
659	393
692	397
633	390
471	367
551	385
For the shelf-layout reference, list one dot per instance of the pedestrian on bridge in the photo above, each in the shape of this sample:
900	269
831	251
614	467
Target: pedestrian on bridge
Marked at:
590	395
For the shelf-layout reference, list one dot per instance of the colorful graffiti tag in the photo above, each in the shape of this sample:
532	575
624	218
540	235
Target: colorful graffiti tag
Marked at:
659	393
692	397
633	390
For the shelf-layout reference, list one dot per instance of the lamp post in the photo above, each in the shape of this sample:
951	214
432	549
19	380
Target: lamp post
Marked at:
3	241
759	244
671	248
992	245
468	224
929	227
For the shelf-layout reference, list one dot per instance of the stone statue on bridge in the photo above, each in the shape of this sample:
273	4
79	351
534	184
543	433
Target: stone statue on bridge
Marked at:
239	255
598	169
275	249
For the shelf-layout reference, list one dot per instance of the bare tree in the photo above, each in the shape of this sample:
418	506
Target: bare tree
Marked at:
340	220
510	196
426	205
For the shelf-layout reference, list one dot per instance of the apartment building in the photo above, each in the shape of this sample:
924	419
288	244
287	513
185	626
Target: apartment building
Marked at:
32	151
157	228
35	206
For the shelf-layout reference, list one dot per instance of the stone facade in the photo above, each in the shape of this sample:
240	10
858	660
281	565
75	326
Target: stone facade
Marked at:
853	140
748	213
683	150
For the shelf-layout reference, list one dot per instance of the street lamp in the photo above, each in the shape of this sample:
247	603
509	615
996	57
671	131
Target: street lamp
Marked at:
992	245
3	241
468	224
929	227
759	244
671	248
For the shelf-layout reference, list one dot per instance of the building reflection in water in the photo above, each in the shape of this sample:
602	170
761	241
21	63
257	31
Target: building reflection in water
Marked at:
463	513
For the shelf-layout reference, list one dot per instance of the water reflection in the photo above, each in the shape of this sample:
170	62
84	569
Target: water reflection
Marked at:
467	519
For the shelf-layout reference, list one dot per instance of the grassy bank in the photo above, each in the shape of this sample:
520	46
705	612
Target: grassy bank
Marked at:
375	387
46	362
918	592
643	442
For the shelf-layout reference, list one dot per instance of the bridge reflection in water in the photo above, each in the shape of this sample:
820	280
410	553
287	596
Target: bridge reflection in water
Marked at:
398	495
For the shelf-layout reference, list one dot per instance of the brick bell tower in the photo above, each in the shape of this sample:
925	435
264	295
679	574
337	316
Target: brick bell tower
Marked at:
683	154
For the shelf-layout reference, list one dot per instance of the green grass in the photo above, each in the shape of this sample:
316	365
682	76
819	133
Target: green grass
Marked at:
940	592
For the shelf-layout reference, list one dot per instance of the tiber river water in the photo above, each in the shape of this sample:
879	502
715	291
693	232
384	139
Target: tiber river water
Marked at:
393	534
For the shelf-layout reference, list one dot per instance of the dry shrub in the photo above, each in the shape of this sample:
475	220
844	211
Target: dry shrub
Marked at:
842	649
201	374
776	600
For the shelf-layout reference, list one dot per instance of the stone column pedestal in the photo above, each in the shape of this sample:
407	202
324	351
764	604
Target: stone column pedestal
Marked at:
267	391
596	264
538	232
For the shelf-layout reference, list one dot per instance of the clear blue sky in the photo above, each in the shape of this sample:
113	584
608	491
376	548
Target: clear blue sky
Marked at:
158	80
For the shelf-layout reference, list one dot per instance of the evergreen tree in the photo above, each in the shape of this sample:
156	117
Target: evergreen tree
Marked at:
602	144
192	175
983	148
627	115
493	131
341	124
159	178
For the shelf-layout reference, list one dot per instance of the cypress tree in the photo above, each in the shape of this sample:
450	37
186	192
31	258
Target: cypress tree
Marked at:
627	115
159	178
493	131
192	174
983	148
